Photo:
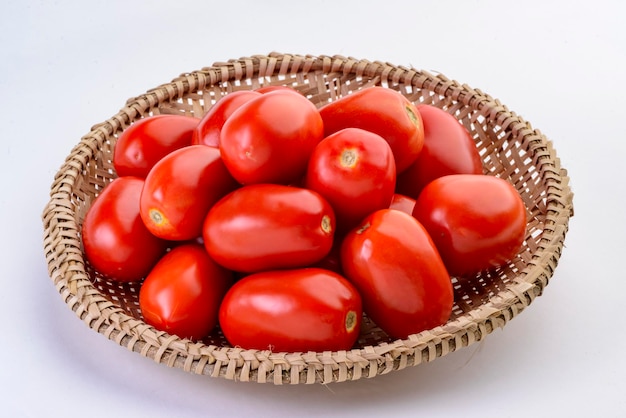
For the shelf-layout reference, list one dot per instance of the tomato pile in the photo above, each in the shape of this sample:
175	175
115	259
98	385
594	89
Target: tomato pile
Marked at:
282	224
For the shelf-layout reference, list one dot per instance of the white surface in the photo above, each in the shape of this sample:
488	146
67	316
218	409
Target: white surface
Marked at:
65	66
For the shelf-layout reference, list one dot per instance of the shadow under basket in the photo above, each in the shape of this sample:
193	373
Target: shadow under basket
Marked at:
509	147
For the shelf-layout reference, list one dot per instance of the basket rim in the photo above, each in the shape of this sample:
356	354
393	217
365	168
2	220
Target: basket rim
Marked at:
67	268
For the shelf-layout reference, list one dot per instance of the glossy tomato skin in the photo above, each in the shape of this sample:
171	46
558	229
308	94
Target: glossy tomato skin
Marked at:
182	293
477	221
448	149
296	310
180	189
146	141
392	261
402	203
355	171
382	111
269	226
115	240
270	138
208	130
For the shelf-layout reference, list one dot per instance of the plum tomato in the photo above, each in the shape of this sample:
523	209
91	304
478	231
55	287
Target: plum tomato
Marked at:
269	226
181	188
270	138
355	171
297	310
182	293
208	130
383	111
116	242
146	141
402	203
448	149
478	222
394	264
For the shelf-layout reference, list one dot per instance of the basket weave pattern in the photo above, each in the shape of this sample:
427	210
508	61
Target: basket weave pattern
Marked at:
509	147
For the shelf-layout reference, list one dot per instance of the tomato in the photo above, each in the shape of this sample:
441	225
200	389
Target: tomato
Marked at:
394	264
270	138
383	111
183	292
355	171
402	203
181	188
269	226
208	129
448	149
148	140
477	221
295	310
116	242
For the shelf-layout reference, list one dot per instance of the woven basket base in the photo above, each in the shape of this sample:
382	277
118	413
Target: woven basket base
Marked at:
509	147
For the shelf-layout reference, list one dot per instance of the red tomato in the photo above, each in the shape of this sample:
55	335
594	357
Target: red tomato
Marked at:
402	203
448	149
180	190
477	221
270	138
268	226
383	111
296	310
395	266
183	292
208	130
355	171
115	240
146	141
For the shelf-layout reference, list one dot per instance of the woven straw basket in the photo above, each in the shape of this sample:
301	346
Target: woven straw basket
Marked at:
509	146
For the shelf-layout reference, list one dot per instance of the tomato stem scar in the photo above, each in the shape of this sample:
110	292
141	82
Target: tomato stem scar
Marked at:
326	224
351	321
156	216
349	158
409	111
363	228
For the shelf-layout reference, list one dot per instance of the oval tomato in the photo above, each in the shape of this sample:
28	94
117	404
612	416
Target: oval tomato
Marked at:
355	171
183	292
448	149
383	111
477	221
146	141
296	310
269	226
115	240
208	130
396	268
270	138
402	203
181	188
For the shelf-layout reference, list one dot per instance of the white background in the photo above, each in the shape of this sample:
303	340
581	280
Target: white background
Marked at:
67	65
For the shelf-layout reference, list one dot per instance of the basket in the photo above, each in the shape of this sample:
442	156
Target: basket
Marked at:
510	148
